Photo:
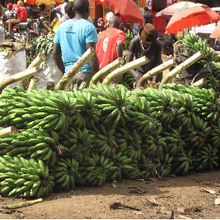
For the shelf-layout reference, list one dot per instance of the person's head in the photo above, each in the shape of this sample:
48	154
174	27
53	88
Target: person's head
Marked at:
148	35
145	9
20	3
114	22
81	8
9	6
167	47
101	22
69	10
66	1
42	7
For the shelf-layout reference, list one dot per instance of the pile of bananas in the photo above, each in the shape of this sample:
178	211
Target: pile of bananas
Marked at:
24	178
106	133
194	44
128	80
65	172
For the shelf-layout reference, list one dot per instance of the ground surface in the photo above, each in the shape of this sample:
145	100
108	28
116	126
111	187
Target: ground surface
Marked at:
192	196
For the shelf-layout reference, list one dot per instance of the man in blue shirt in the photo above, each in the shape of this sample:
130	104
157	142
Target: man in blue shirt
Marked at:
73	38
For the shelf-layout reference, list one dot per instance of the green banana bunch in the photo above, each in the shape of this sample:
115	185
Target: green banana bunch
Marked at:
196	136
129	142
166	164
24	178
128	167
113	104
214	138
147	167
174	141
103	141
35	144
65	172
128	80
194	44
182	162
95	171
206	158
86	106
76	144
45	109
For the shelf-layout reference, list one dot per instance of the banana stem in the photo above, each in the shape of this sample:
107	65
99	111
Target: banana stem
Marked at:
36	62
61	85
154	72
127	67
50	85
184	65
33	84
22	204
7	131
19	76
200	83
106	70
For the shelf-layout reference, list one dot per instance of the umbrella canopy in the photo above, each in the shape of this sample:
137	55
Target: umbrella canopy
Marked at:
170	10
39	2
127	8
216	32
187	16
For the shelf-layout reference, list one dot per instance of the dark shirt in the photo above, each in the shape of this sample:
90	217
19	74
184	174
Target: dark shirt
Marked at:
148	17
153	54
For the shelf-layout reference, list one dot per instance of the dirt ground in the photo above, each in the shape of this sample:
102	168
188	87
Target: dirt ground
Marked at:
192	196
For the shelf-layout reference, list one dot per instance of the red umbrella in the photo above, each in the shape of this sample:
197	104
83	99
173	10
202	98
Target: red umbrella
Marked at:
216	32
170	10
187	16
127	8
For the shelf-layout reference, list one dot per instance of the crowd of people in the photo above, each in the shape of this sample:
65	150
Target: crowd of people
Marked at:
78	32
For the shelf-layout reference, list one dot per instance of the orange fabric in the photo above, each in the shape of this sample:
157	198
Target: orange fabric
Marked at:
106	46
195	16
127	8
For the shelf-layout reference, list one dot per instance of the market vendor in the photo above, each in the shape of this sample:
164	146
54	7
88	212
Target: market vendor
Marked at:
72	39
146	44
193	73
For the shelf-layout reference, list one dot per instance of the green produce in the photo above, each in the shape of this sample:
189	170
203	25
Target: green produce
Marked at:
24	178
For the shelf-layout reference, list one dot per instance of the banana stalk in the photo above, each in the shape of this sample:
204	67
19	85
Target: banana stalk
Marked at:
154	72
184	65
50	85
22	204
106	70
61	85
36	62
33	84
200	83
19	76
6	131
127	67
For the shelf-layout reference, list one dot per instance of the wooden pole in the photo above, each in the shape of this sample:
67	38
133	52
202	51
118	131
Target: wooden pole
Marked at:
19	76
127	67
184	65
61	85
33	84
7	131
154	72
107	69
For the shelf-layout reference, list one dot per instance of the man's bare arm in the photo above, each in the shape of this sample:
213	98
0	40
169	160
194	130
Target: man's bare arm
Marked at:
57	57
94	62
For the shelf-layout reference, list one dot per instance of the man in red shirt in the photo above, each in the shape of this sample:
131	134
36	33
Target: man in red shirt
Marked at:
21	15
111	43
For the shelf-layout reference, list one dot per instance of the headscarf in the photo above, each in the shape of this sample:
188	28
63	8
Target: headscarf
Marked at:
10	5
